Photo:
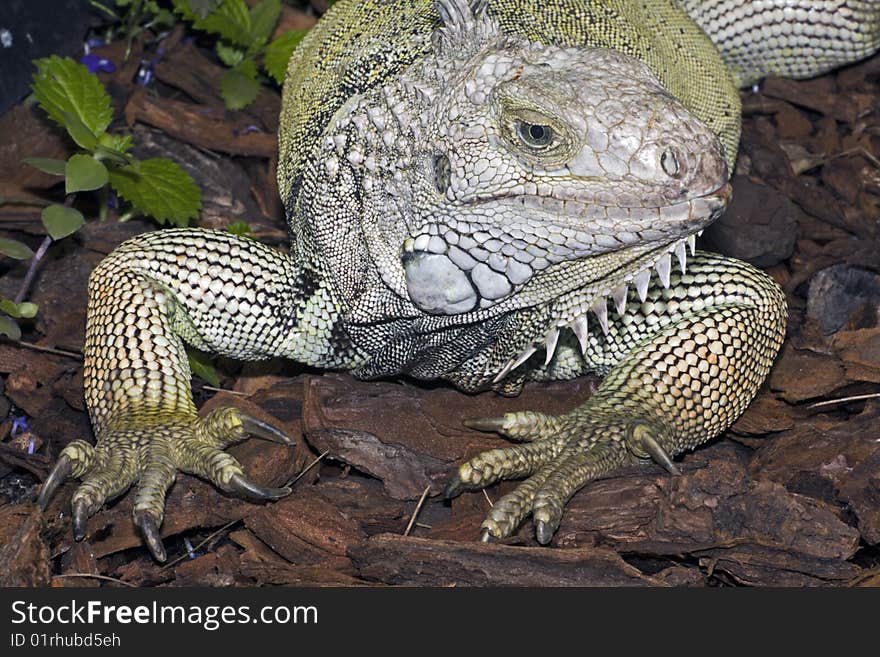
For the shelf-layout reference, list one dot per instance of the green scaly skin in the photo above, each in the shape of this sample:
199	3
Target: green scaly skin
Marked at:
484	194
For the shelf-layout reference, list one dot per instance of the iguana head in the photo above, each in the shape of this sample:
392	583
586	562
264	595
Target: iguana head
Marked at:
535	175
545	155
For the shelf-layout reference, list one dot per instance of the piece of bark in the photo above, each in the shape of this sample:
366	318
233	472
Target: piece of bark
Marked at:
61	294
259	563
24	554
754	565
844	297
32	375
860	352
201	125
216	568
37	464
765	414
426	421
27	132
861	493
136	570
791	122
77	564
365	500
801	374
760	226
404	472
104	236
412	561
842	174
845	454
818	95
713	502
304	528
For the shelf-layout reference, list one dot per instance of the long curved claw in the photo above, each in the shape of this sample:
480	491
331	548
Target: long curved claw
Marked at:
485	536
62	470
547	514
454	487
247	489
485	424
544	531
523	426
80	519
150	531
260	429
640	434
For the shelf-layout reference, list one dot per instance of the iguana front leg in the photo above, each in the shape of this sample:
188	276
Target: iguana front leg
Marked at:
217	292
686	363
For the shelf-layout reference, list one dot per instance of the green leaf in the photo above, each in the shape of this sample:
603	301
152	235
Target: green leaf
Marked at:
19	310
203	7
264	17
240	228
62	86
46	165
83	174
27	309
10	328
80	132
277	54
229	55
239	86
15	249
230	19
60	220
201	366
119	143
159	188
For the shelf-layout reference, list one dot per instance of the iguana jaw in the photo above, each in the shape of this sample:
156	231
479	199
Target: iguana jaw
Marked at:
586	303
518	262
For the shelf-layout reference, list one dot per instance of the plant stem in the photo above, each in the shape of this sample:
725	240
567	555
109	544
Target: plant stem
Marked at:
32	269
38	256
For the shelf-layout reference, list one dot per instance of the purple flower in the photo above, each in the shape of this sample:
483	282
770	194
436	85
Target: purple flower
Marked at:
248	129
145	74
96	63
19	425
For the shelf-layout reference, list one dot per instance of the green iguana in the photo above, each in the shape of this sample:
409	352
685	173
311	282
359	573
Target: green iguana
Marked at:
485	193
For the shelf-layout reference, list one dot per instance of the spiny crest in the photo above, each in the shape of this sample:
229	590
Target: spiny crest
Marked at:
467	26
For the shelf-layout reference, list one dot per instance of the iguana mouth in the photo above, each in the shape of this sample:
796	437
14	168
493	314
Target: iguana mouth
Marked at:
575	205
576	305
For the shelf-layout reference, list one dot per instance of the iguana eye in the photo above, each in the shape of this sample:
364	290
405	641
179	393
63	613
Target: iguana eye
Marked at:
534	135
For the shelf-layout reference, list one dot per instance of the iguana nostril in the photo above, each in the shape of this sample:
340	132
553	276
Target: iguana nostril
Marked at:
670	165
442	172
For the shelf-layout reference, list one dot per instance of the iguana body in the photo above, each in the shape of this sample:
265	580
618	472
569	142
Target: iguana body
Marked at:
481	195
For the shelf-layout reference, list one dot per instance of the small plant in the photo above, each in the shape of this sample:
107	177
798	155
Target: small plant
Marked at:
133	17
243	43
76	100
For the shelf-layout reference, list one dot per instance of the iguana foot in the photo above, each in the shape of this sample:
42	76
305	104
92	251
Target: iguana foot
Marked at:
150	454
563	454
